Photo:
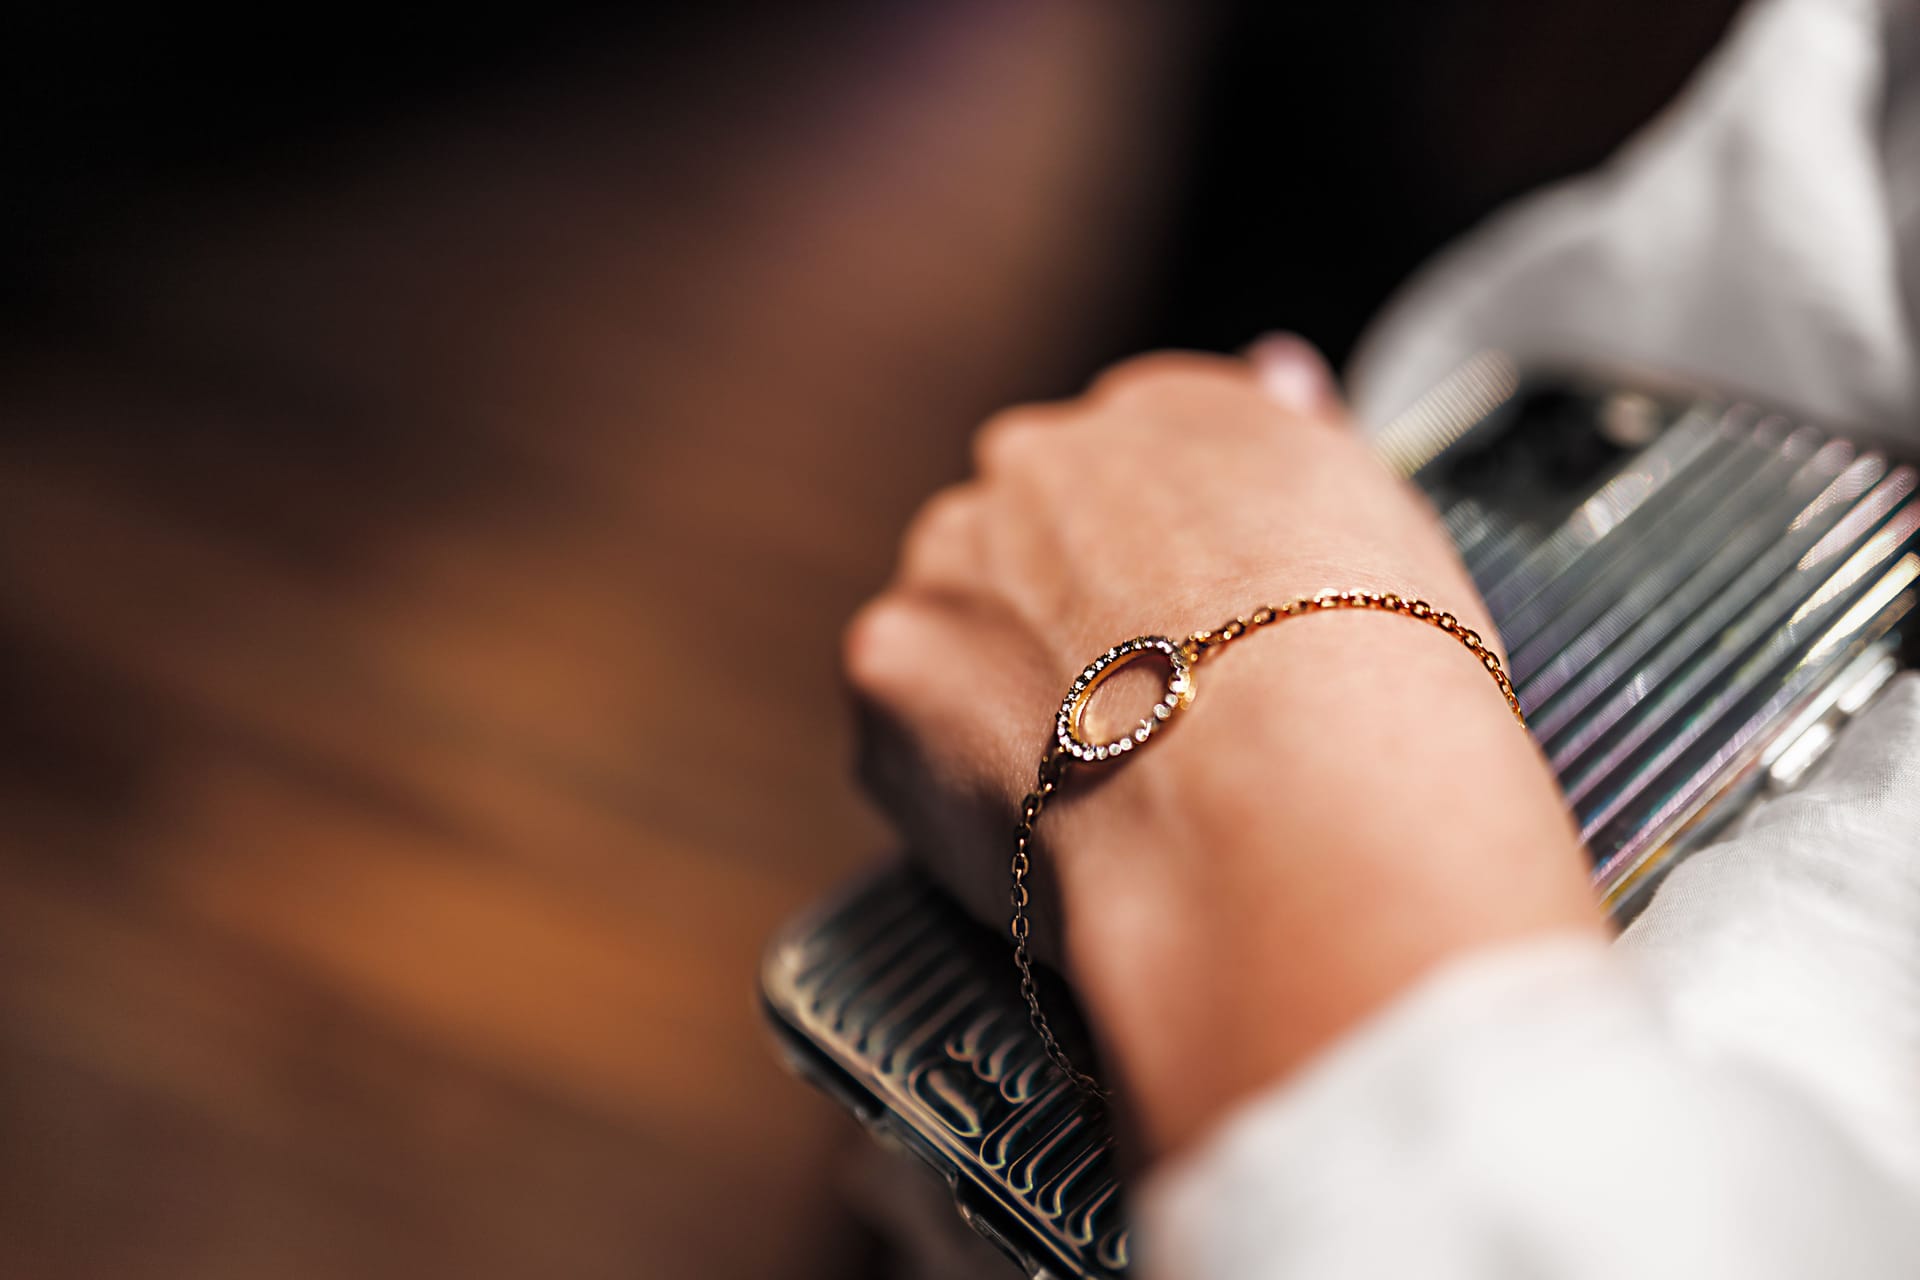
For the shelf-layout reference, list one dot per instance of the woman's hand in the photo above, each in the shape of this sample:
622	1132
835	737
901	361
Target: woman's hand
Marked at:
1176	493
1347	802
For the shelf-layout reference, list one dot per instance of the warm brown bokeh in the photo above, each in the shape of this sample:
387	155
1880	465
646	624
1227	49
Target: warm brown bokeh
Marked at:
421	596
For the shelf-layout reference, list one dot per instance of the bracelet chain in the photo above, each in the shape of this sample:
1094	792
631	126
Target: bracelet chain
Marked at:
1197	647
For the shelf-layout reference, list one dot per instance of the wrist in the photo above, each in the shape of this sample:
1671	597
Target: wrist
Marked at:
1348	804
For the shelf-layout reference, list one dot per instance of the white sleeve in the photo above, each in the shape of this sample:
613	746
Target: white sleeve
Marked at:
1762	235
1796	941
1527	1114
1733	1091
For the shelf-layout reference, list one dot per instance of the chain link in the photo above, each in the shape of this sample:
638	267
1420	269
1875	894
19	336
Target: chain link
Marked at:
1199	646
1052	767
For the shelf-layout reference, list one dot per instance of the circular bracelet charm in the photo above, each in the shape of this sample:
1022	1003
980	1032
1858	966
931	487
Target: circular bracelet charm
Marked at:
1177	695
1072	743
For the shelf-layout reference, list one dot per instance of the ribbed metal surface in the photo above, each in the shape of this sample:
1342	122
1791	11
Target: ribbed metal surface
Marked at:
1663	631
1673	622
894	988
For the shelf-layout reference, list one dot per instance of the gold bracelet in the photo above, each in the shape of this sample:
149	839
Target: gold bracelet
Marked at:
1070	743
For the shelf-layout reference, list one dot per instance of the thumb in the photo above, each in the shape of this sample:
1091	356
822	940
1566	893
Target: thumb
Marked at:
1295	376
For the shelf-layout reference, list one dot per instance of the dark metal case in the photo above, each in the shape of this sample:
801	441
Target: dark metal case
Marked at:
1695	596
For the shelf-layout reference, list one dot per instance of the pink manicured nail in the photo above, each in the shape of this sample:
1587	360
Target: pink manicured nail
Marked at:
1293	373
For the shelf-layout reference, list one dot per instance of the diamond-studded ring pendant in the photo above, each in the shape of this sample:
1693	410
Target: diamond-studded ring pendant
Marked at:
1176	696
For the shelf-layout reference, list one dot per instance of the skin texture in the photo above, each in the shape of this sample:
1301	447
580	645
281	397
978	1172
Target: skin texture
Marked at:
1348	803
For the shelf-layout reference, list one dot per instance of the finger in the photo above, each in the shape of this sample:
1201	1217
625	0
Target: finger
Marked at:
1295	376
1146	375
962	835
944	737
943	547
954	549
887	655
1007	442
953	670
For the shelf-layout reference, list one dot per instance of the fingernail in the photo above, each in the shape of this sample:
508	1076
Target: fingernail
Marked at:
1293	374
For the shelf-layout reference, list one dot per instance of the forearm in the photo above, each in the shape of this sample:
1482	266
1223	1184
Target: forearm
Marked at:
1348	805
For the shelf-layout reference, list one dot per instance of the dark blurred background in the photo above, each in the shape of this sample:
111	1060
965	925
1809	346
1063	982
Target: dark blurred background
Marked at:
437	450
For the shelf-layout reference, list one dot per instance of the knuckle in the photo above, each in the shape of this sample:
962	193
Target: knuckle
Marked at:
873	641
939	541
938	519
1009	439
1144	375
